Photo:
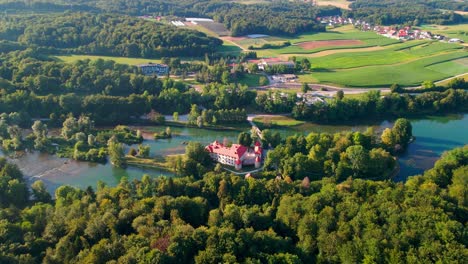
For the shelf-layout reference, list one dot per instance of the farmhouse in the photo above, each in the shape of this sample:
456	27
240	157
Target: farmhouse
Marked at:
154	69
310	98
265	63
235	155
283	78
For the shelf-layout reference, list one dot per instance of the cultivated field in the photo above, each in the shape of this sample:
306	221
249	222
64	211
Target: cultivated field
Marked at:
311	45
347	57
218	28
345	37
410	73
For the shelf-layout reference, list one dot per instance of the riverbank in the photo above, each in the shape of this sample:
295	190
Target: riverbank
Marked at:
435	134
233	127
159	163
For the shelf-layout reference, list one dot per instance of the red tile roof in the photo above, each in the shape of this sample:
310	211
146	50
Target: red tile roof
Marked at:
235	151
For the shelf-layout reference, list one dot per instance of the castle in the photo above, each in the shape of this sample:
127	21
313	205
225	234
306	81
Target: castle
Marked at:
236	155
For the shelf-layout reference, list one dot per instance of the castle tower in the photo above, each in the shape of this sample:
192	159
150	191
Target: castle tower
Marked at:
258	148
258	162
238	165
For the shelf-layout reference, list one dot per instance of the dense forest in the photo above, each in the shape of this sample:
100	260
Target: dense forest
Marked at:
223	218
110	93
106	35
294	17
272	19
403	12
280	18
373	105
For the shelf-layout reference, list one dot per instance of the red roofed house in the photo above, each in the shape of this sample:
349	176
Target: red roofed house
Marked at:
402	33
236	155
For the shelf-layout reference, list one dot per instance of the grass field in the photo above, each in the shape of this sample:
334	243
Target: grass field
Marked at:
384	61
272	121
229	48
344	4
445	82
121	60
360	59
251	80
431	48
368	39
408	74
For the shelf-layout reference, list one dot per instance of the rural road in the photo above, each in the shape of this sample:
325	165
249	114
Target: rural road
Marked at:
233	43
333	89
317	87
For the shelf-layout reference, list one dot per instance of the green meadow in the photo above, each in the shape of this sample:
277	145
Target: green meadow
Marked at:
359	59
412	73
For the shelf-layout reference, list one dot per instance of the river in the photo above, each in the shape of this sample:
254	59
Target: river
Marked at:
434	135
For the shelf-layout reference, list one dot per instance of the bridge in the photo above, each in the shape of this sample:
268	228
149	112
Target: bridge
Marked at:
255	128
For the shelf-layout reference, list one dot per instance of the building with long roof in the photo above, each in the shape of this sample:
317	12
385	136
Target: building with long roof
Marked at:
235	155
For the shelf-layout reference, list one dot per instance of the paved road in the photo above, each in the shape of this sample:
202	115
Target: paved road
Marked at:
331	90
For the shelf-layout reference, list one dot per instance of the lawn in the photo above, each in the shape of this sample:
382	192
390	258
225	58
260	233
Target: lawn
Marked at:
408	74
272	121
121	60
251	80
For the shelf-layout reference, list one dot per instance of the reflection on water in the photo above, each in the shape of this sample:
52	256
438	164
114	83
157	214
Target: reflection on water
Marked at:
433	136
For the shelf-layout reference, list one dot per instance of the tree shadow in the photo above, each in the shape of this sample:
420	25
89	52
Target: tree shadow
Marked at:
322	70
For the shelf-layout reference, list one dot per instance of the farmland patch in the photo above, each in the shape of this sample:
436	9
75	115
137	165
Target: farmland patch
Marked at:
309	45
215	27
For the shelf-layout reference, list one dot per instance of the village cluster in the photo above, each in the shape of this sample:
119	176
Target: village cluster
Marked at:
401	33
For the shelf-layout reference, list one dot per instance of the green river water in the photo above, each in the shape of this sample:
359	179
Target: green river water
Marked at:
434	135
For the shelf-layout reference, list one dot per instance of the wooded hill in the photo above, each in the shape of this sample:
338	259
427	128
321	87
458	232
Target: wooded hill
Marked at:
85	33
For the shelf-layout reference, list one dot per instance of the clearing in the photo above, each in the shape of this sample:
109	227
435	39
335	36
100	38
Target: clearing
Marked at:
343	4
267	121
